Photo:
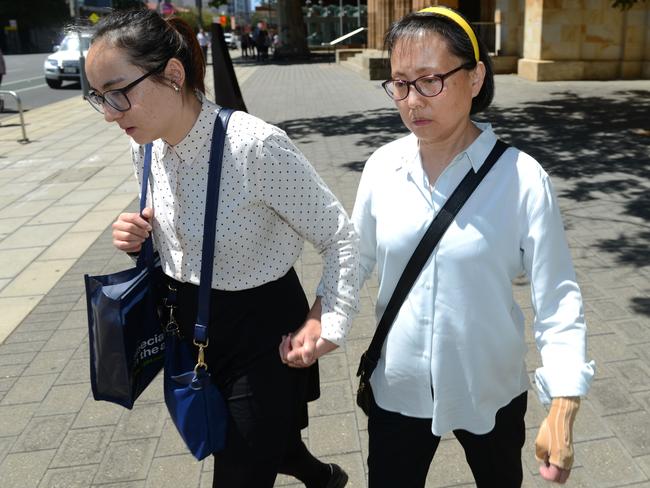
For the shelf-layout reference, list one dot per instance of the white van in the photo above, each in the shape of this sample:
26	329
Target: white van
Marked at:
63	65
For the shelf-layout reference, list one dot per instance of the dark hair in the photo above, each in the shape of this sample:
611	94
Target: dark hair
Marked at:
460	45
150	41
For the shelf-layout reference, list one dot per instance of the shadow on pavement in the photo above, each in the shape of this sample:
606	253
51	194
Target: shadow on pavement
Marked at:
598	145
371	128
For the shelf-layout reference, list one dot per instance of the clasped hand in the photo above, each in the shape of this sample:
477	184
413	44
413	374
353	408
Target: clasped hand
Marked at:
303	347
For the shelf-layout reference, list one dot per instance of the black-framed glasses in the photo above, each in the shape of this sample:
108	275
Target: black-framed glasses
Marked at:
117	99
427	85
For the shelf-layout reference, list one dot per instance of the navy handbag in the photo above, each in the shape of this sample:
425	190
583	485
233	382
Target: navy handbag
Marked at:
126	340
195	404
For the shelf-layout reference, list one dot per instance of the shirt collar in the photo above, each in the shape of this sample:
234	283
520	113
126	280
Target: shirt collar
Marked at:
200	131
478	150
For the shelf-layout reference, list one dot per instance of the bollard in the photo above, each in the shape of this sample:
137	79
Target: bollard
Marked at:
24	140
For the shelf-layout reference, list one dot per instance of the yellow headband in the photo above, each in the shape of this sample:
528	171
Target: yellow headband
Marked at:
447	12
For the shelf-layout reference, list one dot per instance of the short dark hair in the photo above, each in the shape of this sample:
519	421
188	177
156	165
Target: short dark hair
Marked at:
413	24
149	41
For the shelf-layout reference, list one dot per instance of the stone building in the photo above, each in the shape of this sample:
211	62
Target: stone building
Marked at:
545	39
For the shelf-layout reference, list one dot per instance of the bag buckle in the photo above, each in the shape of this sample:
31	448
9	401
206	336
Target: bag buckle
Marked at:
170	302
200	362
366	364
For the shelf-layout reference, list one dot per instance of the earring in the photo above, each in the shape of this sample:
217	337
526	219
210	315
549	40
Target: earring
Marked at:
175	86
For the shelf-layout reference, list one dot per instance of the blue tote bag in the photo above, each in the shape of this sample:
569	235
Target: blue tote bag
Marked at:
194	403
126	340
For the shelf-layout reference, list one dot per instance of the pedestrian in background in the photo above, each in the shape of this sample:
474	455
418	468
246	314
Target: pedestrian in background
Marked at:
245	43
454	359
277	44
145	76
262	43
204	42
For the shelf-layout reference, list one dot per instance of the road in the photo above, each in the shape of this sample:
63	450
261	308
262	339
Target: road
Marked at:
25	77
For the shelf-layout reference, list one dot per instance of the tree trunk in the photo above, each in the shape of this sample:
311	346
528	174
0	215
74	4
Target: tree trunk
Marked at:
293	34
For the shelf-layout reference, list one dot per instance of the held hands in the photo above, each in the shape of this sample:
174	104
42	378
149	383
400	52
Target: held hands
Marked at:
554	443
303	347
130	230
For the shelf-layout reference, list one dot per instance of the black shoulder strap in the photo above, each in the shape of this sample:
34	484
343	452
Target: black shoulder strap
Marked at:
425	248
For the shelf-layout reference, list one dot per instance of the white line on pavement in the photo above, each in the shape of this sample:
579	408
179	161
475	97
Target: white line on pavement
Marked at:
30	88
22	81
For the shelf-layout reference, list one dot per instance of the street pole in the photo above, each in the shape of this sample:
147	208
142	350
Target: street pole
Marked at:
82	59
199	6
358	13
340	18
82	69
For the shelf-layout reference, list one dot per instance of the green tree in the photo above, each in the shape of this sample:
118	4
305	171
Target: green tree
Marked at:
192	18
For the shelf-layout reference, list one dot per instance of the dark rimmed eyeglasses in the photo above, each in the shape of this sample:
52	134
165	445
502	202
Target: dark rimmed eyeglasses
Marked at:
427	85
117	99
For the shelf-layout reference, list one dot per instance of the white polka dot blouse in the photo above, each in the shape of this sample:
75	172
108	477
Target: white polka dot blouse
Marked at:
271	200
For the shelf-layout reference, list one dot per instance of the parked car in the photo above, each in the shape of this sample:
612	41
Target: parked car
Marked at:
63	64
231	40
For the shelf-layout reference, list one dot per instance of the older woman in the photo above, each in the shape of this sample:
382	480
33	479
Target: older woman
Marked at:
146	75
454	359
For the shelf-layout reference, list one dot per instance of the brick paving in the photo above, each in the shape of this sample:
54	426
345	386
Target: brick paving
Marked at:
589	136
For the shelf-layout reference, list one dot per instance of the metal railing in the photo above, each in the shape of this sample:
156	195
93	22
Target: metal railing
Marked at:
333	43
345	36
24	140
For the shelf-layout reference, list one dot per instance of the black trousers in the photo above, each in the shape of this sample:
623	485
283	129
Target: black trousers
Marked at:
401	449
267	400
264	426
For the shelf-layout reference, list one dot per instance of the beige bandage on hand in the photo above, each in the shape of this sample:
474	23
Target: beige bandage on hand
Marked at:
554	443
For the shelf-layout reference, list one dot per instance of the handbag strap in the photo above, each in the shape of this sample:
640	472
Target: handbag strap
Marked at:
209	223
146	256
425	248
210	226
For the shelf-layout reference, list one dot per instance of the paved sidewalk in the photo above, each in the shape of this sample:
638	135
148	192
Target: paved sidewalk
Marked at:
60	193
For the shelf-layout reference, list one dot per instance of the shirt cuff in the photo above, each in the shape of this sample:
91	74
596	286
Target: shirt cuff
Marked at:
320	289
334	327
563	381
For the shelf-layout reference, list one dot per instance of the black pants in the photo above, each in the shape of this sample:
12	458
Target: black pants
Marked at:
267	400
264	428
401	449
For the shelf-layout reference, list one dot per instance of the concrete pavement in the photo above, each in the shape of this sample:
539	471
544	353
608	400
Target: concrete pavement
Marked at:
60	193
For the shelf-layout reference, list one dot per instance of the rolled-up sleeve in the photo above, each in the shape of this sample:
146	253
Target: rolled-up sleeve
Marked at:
293	189
559	324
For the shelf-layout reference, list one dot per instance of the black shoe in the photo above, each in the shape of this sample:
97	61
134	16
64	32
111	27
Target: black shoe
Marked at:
339	477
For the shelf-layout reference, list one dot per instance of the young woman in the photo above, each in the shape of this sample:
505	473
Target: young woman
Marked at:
146	75
454	357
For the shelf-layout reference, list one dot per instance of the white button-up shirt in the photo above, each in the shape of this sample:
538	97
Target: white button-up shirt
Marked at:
271	199
456	351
